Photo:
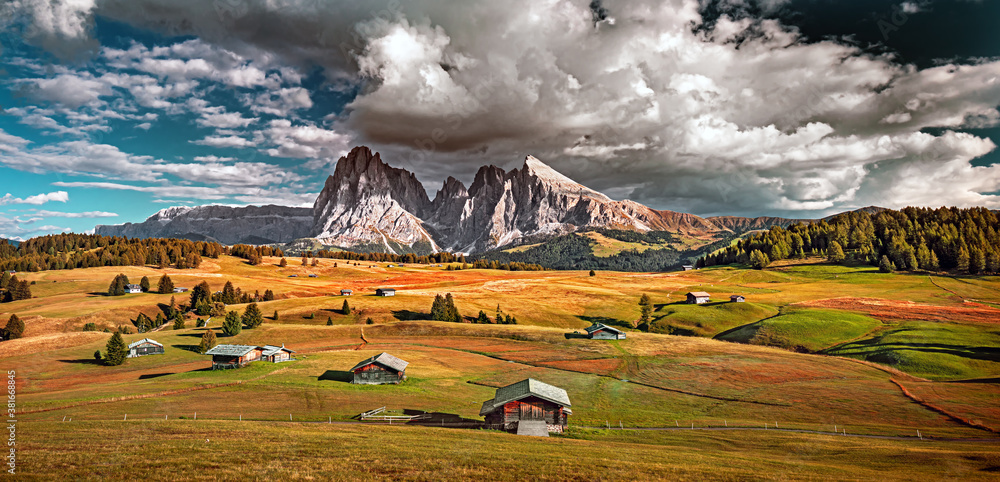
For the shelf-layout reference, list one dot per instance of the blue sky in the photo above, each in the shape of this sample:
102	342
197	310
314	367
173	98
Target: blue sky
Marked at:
113	110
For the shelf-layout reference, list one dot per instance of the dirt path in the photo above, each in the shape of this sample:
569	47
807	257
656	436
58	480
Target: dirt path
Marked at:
934	408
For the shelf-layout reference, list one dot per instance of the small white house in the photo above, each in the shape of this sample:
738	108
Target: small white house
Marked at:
132	289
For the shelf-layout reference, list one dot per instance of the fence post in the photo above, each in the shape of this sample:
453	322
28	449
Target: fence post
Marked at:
126	416
196	415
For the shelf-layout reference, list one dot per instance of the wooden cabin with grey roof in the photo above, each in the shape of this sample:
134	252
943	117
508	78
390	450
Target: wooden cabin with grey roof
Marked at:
380	369
528	407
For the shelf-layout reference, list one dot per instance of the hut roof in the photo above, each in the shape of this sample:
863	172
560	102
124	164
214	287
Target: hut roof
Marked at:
271	349
144	340
384	359
386	289
602	326
700	294
231	350
523	389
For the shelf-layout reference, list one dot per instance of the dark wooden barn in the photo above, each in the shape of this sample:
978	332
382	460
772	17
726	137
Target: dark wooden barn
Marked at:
385	292
276	354
600	331
737	299
234	356
144	347
698	297
380	369
528	407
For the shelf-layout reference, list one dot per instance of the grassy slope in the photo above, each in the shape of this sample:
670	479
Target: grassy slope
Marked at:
122	450
678	380
813	330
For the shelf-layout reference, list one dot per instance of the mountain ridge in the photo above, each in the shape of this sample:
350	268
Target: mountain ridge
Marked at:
368	205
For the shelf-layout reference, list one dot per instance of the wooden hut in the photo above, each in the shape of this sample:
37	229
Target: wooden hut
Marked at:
144	347
385	292
133	289
687	267
380	369
600	331
346	292
276	354
698	297
234	356
737	299
528	407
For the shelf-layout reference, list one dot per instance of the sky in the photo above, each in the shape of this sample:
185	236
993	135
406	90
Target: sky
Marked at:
115	109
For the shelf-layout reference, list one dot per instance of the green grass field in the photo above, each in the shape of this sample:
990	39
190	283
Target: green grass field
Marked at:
936	336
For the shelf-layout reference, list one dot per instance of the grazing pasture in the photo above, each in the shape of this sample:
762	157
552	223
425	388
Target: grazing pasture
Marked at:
816	348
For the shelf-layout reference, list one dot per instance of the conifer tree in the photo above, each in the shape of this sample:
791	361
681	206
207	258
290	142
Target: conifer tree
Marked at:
499	315
329	321
207	341
962	261
346	309
252	316
165	285
179	322
229	294
275	317
758	260
144	284
885	265
452	312
118	285
438	309
268	295
201	293
115	351
14	328
593	273
232	325
482	318
835	253
283	263
645	310
4	280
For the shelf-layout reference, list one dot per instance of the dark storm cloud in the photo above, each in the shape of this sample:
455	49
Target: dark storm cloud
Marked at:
737	115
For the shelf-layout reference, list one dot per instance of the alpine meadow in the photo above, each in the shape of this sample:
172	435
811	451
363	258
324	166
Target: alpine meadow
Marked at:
523	240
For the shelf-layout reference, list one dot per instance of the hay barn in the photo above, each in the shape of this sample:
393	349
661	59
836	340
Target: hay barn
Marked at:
600	331
144	347
698	297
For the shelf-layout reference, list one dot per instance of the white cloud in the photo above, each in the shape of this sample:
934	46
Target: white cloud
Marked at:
37	199
88	214
223	141
280	103
304	141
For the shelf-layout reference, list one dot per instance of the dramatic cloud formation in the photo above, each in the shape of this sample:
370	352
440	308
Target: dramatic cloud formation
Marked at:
711	107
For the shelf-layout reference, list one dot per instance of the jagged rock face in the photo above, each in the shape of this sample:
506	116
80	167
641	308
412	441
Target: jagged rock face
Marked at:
368	204
228	225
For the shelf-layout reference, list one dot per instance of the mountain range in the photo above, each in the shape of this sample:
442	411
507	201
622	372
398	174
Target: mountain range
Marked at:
367	205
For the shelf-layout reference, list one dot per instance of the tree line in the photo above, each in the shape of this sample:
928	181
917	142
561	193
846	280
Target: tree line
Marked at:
942	239
72	250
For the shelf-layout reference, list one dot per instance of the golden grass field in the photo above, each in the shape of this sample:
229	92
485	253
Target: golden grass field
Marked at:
942	331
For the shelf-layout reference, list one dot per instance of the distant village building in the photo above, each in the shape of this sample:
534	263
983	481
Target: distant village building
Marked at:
528	407
144	347
132	289
234	356
600	331
687	267
276	354
180	290
737	299
314	276
698	297
346	292
385	292
380	369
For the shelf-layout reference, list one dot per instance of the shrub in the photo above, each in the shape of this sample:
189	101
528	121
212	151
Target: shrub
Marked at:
90	327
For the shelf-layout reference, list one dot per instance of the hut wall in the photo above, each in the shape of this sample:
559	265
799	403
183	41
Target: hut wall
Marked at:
604	335
374	374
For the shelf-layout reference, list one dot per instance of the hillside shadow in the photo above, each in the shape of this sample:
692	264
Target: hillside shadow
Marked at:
407	315
193	348
84	361
977	380
439	419
336	376
576	336
153	375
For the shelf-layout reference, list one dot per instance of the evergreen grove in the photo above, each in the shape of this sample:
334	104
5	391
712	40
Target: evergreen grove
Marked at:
963	240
